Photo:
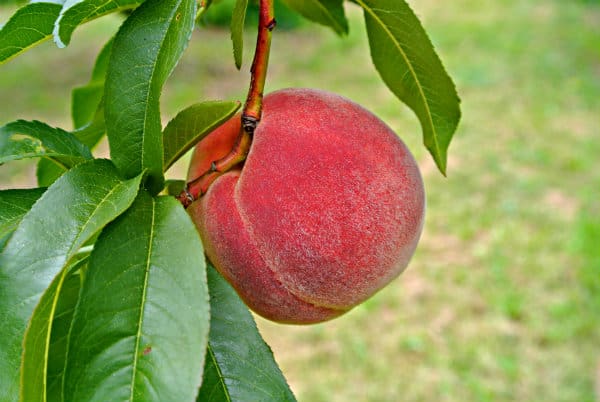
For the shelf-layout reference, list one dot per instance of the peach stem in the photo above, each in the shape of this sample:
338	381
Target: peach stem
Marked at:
251	113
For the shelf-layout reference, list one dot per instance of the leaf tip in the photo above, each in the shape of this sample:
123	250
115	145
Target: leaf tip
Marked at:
441	163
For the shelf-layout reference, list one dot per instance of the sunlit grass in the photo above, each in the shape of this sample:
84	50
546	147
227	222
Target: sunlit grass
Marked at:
501	301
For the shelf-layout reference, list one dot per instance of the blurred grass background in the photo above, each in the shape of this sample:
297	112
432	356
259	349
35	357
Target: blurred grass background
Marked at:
502	299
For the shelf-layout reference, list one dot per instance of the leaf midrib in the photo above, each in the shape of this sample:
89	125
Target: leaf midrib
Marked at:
76	242
67	348
219	372
49	333
143	303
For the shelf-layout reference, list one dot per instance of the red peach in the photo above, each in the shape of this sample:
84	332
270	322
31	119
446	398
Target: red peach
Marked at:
326	210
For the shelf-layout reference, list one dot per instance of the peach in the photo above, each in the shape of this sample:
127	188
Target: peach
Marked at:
326	210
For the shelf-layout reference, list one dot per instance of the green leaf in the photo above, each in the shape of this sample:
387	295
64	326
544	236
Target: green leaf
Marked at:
61	329
76	12
174	187
84	103
90	134
14	204
145	51
192	124
71	211
410	67
237	30
27	27
87	112
56	302
326	12
38	20
29	139
47	172
93	131
146	290
101	63
239	364
87	106
86	100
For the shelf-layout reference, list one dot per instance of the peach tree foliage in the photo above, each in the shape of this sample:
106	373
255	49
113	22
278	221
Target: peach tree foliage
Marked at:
105	293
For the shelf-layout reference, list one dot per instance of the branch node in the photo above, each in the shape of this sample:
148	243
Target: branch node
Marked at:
185	198
249	123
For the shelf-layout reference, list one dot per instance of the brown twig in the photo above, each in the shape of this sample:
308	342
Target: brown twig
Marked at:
251	113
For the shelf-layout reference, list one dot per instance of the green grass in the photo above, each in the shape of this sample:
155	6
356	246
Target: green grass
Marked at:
502	299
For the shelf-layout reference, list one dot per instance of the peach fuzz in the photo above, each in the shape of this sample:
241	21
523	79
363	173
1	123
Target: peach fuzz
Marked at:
326	210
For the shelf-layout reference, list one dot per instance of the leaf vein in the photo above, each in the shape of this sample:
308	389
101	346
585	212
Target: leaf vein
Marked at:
143	302
211	353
